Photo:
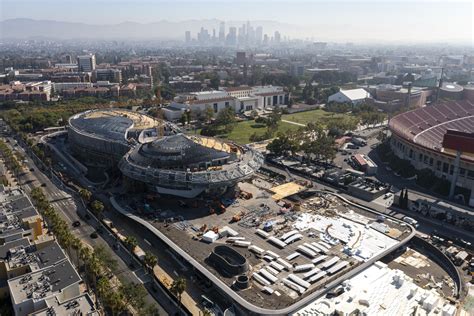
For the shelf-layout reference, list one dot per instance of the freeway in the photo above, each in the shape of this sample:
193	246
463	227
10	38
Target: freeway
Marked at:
72	210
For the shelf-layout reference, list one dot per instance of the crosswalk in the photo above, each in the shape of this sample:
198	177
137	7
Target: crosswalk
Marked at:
57	195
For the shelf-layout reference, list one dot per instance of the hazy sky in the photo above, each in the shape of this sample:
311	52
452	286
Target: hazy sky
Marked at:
359	20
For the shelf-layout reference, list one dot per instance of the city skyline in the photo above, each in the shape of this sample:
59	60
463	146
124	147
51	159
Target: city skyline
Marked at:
409	22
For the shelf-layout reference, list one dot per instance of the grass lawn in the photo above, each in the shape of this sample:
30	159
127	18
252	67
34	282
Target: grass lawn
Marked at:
306	117
242	131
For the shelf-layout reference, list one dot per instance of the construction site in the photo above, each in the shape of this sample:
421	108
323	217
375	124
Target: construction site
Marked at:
273	245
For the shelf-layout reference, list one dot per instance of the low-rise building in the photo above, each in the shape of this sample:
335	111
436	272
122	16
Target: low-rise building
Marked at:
110	74
59	87
367	189
19	257
29	91
34	270
32	291
80	305
352	96
174	111
18	219
240	99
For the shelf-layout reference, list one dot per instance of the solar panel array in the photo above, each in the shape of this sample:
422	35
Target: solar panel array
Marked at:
426	126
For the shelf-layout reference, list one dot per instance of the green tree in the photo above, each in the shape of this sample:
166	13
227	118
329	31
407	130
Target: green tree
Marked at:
214	83
97	207
105	258
133	294
131	243
226	119
103	288
149	310
150	260
178	287
273	119
208	114
317	143
206	312
285	144
85	194
183	119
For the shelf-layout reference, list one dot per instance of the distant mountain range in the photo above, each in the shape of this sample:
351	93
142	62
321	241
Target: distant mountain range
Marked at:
29	28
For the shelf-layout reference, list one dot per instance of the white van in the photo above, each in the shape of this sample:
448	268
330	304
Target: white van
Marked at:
411	221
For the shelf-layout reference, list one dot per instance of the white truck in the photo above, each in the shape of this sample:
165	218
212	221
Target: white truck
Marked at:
411	221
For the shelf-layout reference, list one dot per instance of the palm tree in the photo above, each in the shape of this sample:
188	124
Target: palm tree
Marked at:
65	240
85	256
105	258
94	268
149	310
97	208
103	288
133	294
177	288
150	261
115	302
131	243
206	312
76	244
85	194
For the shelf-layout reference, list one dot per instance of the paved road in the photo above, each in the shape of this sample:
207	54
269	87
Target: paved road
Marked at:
149	242
158	293
69	209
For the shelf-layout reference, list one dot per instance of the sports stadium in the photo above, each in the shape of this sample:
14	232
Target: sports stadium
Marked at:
155	153
440	138
189	165
102	137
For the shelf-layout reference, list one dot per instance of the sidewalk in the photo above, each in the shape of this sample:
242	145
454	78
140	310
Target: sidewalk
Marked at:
294	123
186	300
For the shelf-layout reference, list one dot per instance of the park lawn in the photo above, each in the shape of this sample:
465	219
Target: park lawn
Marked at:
242	131
314	116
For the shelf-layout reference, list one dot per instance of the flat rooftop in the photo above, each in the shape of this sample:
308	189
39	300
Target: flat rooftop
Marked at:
43	283
373	292
81	305
33	257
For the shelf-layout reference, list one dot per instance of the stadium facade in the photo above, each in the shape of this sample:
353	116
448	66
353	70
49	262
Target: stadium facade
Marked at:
439	138
187	166
155	153
102	137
